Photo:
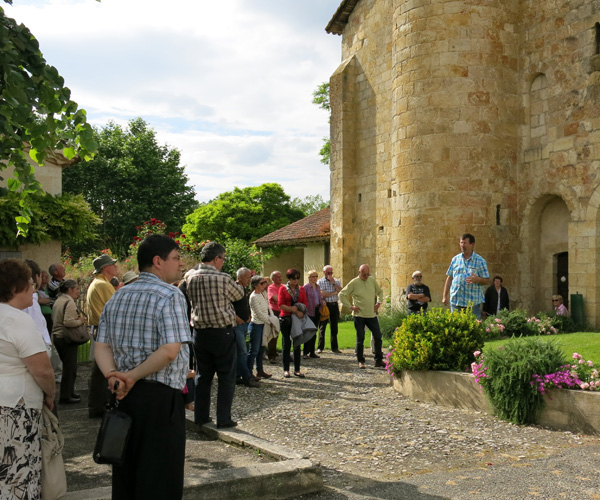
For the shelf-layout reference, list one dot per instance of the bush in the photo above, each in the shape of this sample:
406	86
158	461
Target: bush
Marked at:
506	374
516	324
437	340
391	320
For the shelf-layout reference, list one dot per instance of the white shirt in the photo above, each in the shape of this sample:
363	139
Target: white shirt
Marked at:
19	338
35	311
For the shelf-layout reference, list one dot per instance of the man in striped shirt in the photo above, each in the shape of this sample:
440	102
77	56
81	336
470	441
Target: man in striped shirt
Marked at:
466	277
142	344
211	294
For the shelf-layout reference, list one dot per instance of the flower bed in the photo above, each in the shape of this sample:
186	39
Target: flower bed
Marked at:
567	410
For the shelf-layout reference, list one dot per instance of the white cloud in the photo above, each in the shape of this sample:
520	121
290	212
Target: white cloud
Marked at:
227	83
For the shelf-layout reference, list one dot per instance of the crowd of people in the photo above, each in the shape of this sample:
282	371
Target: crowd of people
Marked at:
160	337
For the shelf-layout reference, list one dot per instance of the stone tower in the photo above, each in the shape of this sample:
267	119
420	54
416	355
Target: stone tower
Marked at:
480	116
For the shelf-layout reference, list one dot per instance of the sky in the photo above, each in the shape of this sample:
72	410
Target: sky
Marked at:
228	83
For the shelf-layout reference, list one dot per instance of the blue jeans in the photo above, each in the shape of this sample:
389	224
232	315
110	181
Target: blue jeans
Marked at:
476	310
256	347
242	352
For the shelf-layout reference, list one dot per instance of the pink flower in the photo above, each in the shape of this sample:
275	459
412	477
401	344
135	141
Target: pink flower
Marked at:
590	363
476	353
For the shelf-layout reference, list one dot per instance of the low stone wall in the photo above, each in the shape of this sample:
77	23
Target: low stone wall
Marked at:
575	411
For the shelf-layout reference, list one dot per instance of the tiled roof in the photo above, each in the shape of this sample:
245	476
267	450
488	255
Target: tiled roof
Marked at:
340	18
315	227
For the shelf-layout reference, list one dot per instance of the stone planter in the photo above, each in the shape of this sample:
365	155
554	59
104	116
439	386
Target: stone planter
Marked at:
575	411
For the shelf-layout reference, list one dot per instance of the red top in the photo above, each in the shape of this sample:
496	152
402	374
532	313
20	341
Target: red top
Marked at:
273	294
285	299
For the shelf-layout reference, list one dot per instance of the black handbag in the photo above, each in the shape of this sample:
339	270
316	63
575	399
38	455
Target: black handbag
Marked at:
111	443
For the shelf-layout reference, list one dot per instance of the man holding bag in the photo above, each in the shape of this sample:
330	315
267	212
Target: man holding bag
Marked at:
141	344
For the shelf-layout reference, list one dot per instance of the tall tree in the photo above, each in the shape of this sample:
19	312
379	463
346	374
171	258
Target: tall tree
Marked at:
245	214
131	180
36	113
321	99
310	204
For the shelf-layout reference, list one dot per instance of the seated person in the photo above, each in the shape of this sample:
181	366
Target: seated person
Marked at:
559	307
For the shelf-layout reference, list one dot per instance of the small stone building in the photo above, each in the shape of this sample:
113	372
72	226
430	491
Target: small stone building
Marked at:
480	116
50	177
305	242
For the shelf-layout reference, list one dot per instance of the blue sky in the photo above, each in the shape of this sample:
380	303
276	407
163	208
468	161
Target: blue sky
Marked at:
228	83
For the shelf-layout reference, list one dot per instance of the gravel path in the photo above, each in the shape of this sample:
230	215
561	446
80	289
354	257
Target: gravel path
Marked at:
368	439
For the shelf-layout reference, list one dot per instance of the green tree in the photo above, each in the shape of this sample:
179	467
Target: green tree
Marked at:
244	214
36	114
132	179
310	204
321	99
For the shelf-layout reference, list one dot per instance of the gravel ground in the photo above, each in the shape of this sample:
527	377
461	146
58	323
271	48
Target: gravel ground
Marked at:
368	439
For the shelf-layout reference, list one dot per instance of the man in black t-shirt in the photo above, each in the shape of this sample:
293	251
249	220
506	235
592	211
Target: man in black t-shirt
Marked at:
418	294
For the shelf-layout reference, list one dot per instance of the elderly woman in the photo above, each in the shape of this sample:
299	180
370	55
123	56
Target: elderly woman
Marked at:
559	307
288	296
261	315
314	300
66	314
27	384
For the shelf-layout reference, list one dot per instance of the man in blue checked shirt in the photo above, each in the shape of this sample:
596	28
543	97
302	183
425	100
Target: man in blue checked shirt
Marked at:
466	278
142	344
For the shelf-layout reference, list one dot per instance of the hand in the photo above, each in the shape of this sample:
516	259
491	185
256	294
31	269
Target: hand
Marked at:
445	300
472	279
377	306
49	402
300	314
239	321
124	381
355	308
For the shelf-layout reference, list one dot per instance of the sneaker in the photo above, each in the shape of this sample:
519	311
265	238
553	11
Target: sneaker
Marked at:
361	366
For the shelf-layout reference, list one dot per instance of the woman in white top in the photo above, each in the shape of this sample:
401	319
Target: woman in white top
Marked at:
65	313
260	310
26	383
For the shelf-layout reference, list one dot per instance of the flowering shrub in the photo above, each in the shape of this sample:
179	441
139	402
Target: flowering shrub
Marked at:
494	328
581	374
543	326
437	340
506	376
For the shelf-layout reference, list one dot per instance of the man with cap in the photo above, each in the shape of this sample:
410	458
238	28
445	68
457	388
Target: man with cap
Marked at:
98	294
418	294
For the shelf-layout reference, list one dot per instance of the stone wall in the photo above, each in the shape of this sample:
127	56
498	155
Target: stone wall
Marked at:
469	116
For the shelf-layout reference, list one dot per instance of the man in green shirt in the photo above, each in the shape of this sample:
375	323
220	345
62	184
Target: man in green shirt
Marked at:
364	296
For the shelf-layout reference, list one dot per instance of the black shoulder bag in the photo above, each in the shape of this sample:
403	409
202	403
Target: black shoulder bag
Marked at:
111	443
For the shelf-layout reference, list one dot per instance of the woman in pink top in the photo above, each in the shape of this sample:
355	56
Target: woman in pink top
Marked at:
272	294
290	295
314	299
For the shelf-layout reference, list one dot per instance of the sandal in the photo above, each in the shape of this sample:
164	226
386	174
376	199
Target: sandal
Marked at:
286	374
299	375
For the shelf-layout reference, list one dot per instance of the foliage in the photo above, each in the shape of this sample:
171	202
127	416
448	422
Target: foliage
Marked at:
241	254
436	340
494	328
36	113
309	205
132	179
242	214
390	320
564	324
581	374
515	323
321	99
52	218
506	374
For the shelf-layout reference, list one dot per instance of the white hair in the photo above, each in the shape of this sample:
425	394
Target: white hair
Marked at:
243	270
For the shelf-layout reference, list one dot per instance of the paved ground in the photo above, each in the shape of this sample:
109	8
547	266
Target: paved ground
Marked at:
374	443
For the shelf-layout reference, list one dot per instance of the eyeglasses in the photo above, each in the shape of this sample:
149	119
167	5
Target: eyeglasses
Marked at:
263	282
417	276
555	300
314	276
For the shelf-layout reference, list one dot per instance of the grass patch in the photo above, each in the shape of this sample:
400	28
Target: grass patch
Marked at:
585	343
347	337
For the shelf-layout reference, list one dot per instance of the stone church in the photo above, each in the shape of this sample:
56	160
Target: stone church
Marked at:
480	116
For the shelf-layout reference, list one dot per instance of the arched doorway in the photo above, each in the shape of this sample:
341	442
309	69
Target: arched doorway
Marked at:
552	262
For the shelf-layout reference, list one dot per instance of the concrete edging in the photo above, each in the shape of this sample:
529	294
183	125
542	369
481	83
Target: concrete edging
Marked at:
291	475
567	410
